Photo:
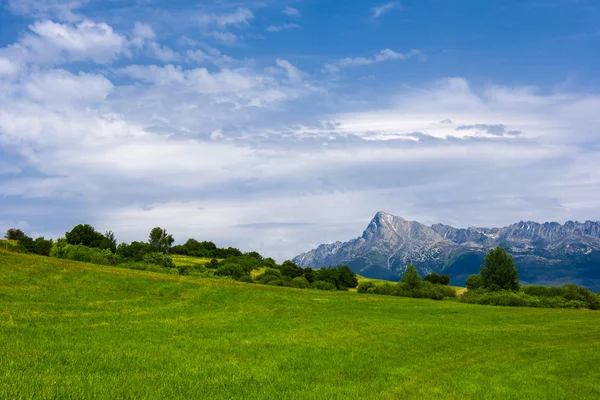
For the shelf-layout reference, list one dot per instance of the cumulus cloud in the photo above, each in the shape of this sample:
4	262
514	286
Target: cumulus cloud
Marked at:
51	42
383	55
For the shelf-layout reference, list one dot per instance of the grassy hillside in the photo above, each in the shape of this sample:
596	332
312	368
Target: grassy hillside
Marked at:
73	330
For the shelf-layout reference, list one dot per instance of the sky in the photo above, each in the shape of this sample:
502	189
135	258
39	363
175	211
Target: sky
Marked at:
279	125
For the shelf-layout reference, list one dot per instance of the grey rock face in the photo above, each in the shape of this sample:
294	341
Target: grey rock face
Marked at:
548	252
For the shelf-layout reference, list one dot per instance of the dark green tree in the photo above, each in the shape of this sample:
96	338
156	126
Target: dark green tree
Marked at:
42	246
346	278
109	242
290	269
437	279
500	269
14	234
84	234
411	277
474	281
160	241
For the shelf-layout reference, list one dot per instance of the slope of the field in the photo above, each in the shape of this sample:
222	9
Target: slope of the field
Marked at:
72	330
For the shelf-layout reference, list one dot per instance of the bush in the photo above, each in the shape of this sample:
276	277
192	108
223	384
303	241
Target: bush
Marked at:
42	246
160	259
474	281
543	291
270	274
342	277
300	282
386	289
78	252
365	286
437	279
322	285
235	271
134	251
246	279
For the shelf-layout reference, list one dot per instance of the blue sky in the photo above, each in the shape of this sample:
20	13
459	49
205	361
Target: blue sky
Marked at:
277	126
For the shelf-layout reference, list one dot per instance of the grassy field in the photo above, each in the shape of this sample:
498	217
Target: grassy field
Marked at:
80	331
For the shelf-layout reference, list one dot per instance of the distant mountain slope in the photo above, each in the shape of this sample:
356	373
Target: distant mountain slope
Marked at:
548	253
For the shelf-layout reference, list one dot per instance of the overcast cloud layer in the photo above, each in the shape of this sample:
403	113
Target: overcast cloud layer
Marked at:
220	123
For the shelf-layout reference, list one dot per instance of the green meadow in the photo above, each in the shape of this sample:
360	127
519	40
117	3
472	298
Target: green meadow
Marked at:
71	330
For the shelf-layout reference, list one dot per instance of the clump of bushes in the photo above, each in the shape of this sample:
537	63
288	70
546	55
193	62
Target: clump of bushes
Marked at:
78	252
19	241
160	259
411	285
437	279
568	296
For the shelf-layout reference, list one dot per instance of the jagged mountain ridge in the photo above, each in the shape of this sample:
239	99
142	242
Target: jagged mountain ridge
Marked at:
548	252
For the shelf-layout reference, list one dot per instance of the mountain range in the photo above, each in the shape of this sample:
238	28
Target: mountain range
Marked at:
546	254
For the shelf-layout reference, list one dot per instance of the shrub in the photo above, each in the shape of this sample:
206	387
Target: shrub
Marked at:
341	276
160	259
449	292
214	264
235	271
42	246
543	291
474	281
576	293
246	279
134	251
300	282
78	252
270	274
365	286
386	289
437	279
322	285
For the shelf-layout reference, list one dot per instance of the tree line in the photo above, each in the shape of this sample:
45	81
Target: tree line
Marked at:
85	243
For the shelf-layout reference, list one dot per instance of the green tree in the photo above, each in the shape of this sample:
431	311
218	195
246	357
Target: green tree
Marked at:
474	281
346	278
42	246
84	234
14	234
160	241
411	277
109	242
500	269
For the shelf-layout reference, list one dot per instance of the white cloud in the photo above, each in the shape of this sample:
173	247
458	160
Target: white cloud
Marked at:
7	67
239	18
383	55
52	42
62	9
142	32
225	37
291	11
277	28
204	149
292	72
378	11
